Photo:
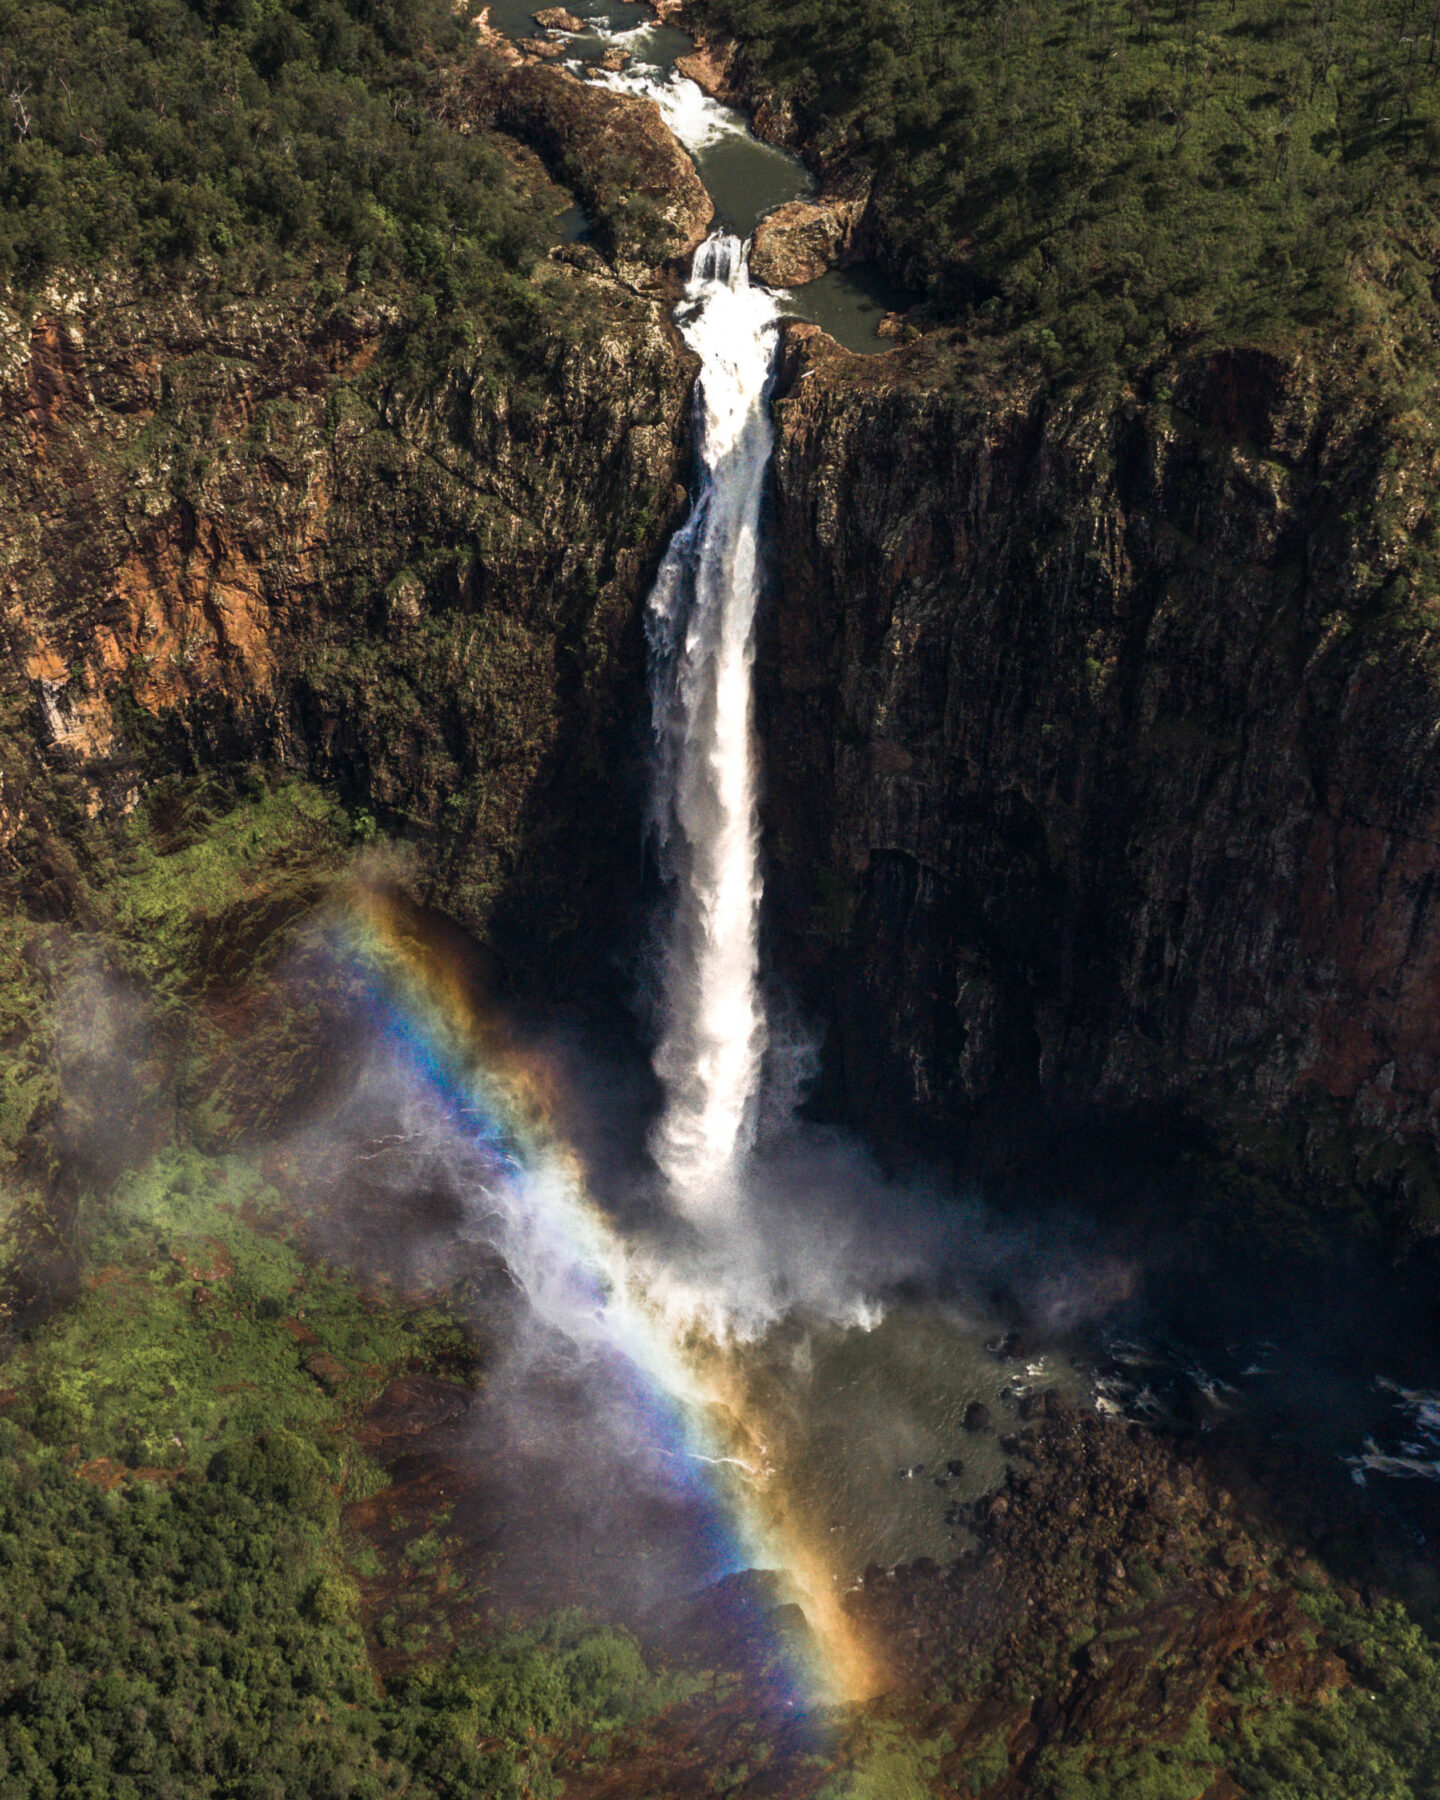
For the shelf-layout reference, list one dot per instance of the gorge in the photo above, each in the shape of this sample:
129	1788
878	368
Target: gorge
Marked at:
669	957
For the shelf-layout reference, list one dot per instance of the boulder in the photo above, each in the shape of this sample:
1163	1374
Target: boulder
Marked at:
327	1370
798	242
556	18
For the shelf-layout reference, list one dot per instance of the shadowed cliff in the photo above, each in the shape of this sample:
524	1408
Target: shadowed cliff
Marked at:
1102	775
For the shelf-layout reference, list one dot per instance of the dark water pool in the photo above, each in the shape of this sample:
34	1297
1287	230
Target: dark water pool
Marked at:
849	304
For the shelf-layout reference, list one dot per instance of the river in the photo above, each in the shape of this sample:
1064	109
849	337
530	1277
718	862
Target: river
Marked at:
745	178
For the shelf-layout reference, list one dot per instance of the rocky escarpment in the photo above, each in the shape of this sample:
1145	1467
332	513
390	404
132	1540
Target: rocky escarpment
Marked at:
647	203
295	525
1101	746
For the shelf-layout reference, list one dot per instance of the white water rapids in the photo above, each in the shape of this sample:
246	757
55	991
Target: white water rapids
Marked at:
700	626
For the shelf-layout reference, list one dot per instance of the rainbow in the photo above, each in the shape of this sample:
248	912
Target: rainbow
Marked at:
510	1098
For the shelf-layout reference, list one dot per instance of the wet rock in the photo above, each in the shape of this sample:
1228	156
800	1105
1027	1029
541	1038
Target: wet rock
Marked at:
955	1469
977	1417
789	1622
614	59
711	65
1038	1406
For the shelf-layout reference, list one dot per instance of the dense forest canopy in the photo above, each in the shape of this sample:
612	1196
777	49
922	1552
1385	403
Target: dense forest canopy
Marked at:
1122	172
201	1641
156	130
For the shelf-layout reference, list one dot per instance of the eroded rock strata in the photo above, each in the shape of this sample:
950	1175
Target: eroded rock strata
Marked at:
257	526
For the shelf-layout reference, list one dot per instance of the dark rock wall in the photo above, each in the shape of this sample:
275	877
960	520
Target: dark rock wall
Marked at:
1102	762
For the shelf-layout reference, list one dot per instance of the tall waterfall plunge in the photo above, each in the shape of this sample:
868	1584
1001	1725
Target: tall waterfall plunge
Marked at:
700	627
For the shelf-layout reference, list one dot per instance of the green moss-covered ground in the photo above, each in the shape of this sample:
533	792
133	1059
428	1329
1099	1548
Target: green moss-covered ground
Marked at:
181	1614
182	1392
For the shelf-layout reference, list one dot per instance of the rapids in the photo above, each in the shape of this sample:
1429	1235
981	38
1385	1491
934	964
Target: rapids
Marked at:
744	177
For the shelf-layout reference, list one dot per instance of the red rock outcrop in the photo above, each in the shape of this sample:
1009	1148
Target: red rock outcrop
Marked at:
238	526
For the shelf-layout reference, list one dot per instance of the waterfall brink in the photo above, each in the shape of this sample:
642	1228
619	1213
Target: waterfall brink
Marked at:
700	628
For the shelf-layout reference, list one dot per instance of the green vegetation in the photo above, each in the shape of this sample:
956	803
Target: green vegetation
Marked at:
202	1638
194	871
205	885
988	1766
891	1764
1118	176
180	1614
1374	1737
1180	1772
151	131
201	1324
1380	1737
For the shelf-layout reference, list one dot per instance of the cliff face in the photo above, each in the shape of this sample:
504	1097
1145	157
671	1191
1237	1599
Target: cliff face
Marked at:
262	524
645	200
1102	761
1100	732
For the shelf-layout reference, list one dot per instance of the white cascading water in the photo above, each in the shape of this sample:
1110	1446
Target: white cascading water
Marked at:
700	627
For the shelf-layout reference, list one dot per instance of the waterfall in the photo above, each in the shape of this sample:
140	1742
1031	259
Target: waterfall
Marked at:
700	628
